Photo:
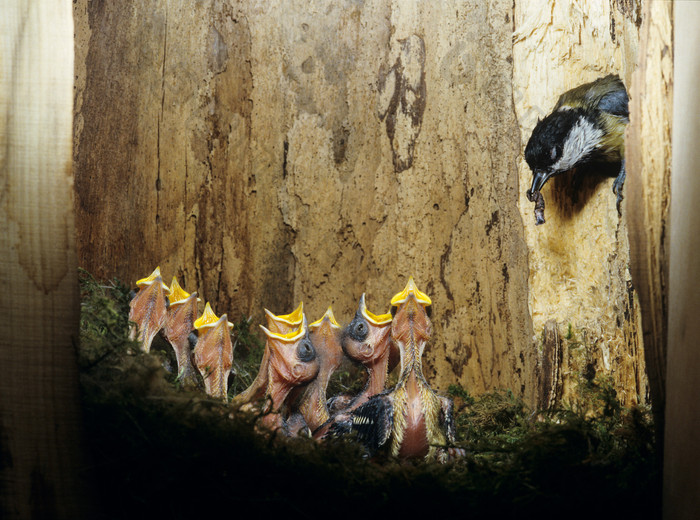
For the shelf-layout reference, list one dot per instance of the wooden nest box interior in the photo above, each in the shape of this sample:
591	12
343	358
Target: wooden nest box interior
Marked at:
267	153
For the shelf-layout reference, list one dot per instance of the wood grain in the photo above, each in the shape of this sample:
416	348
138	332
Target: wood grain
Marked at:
649	190
682	412
40	457
287	151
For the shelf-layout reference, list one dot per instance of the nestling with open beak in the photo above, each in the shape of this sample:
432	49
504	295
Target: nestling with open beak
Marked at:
182	313
585	132
293	362
311	403
282	324
411	420
148	309
213	353
367	340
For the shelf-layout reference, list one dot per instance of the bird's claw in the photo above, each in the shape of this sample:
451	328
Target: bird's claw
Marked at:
619	201
617	190
617	186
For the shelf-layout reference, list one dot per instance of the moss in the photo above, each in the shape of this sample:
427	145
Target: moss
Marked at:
569	332
104	321
248	351
162	451
350	378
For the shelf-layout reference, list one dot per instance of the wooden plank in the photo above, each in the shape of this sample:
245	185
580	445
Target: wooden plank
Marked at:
39	411
681	453
649	189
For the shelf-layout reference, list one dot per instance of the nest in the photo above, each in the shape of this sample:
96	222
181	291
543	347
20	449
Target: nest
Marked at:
161	450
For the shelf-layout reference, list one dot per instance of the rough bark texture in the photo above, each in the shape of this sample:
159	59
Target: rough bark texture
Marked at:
681	454
649	190
39	405
549	364
578	260
268	153
273	152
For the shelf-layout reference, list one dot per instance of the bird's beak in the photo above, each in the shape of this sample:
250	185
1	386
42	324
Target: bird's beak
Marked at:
539	177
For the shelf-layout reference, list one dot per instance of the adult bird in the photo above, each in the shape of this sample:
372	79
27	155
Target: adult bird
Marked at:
585	132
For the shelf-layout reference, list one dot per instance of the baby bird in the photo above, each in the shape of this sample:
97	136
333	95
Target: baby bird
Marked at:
367	340
213	353
282	324
311	404
293	362
182	313
410	420
148	309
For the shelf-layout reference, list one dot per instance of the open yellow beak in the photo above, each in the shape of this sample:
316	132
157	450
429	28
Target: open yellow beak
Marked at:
177	294
374	319
209	319
327	316
154	276
293	318
290	337
411	288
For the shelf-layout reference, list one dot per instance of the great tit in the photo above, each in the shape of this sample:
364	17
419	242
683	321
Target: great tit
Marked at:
585	131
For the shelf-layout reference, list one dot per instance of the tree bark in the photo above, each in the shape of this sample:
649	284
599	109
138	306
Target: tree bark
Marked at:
40	458
579	259
271	153
286	151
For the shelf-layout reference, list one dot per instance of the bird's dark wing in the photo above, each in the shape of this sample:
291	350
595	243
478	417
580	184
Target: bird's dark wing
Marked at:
609	95
615	102
373	422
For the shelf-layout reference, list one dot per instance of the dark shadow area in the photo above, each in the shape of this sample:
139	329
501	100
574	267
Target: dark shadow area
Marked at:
571	191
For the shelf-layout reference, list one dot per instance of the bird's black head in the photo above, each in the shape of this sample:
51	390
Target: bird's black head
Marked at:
545	148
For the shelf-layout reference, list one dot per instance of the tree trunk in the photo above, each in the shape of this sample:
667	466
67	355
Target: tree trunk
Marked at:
40	458
579	260
271	153
285	151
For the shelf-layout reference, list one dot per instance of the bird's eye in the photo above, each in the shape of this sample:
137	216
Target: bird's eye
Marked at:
554	153
359	330
306	351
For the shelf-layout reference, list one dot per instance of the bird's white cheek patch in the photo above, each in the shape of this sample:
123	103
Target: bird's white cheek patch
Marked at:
582	140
